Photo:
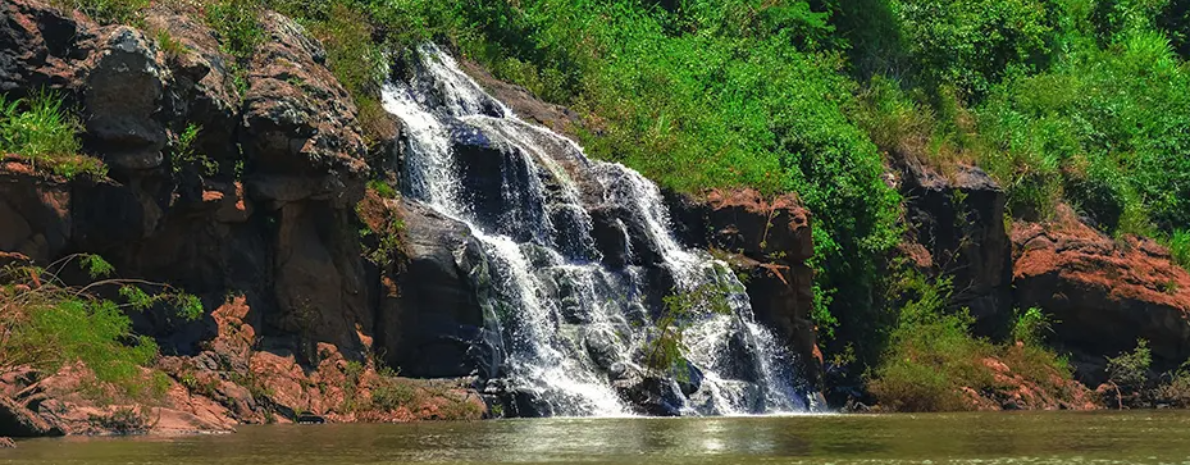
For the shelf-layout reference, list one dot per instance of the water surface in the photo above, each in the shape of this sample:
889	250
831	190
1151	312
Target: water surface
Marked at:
1149	437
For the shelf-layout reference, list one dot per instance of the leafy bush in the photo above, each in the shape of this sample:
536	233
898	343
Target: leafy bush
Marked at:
1031	326
48	325
973	44
1174	389
1129	371
392	394
1179	248
237	24
933	363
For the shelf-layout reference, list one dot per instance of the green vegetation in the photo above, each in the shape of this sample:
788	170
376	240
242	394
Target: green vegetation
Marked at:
106	11
1129	371
172	47
185	155
665	344
1031	326
933	363
1179	247
49	325
1174	389
383	189
42	132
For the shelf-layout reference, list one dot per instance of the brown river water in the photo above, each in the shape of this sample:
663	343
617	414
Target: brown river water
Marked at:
1142	437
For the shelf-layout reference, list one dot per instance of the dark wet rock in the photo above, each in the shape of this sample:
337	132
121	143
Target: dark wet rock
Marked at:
741	355
651	395
496	181
428	330
958	220
689	378
611	237
601	347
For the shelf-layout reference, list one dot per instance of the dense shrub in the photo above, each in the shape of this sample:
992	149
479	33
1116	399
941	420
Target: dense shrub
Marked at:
933	363
973	44
1179	248
47	325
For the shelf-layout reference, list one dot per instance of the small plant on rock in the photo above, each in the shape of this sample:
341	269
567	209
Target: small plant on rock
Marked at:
1129	371
41	130
1031	326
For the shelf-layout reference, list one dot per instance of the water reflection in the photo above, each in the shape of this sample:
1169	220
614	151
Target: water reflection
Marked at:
1148	437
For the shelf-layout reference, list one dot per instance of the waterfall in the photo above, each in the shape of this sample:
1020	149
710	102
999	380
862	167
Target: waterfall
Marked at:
572	317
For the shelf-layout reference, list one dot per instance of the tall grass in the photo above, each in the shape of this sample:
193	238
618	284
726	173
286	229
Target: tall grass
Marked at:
1179	248
40	130
107	11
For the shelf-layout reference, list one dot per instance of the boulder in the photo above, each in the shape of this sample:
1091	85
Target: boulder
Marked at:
123	99
19	422
40	48
526	105
651	395
956	223
1102	294
428	327
299	131
203	91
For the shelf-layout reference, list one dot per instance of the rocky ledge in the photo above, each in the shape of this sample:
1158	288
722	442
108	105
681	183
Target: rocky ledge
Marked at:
1105	294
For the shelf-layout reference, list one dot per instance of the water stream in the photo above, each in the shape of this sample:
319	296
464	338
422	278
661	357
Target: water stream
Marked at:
999	438
571	328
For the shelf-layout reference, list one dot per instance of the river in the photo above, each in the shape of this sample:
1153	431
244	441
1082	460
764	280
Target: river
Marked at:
1142	437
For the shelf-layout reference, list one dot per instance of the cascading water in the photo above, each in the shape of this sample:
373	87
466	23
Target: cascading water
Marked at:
570	328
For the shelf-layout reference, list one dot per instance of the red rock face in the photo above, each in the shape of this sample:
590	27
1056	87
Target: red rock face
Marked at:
1103	293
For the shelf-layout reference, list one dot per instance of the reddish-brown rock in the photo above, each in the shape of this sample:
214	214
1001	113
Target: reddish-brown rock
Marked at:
1103	293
